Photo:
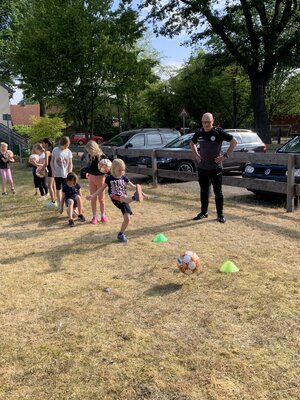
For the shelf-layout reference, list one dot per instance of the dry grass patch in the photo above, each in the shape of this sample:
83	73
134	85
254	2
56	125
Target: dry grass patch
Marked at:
158	335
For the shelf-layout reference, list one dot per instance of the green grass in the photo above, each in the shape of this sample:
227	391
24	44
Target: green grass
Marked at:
158	335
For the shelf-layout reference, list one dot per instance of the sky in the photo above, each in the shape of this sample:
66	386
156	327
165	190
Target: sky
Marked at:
170	52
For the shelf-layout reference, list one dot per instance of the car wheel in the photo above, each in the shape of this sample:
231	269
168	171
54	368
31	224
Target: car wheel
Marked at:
186	166
99	141
80	142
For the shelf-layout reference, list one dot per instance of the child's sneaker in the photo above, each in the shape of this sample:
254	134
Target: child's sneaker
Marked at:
71	223
104	219
81	218
122	238
4	194
138	194
13	191
94	221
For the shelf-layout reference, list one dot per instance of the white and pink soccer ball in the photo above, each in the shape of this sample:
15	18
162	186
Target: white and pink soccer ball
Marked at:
104	165
188	263
9	154
33	158
40	172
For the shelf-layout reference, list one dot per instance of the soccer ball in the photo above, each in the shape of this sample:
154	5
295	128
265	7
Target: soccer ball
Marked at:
9	154
188	262
104	165
40	172
33	157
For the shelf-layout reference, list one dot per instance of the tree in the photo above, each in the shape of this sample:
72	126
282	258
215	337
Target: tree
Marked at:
259	35
11	13
45	127
76	51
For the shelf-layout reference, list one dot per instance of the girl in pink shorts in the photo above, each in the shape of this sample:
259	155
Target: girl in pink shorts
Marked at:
96	180
6	157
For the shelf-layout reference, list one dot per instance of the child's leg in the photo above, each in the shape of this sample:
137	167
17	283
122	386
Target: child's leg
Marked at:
4	179
101	197
40	186
44	185
51	188
92	188
10	179
70	208
79	204
125	223
137	196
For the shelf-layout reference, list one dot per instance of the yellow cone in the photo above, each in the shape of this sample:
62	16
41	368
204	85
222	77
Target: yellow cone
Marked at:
228	266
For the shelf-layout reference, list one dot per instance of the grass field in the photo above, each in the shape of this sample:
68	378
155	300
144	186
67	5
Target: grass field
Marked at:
158	334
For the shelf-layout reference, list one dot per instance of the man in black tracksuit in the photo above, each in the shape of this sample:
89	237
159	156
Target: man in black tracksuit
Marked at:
206	145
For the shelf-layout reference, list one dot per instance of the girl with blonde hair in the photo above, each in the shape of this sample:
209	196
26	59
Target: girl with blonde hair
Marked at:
116	183
96	180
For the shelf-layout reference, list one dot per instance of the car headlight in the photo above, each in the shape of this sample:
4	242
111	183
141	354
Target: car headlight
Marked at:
249	169
297	172
164	160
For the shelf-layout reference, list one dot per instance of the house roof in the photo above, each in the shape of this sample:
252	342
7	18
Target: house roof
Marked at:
22	115
10	90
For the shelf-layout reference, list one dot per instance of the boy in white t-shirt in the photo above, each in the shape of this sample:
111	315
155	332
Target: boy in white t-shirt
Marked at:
61	165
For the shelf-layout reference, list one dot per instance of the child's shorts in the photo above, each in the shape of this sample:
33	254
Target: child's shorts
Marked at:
124	207
59	182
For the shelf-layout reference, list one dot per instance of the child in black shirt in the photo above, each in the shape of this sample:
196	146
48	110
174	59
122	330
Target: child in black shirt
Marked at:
116	183
71	197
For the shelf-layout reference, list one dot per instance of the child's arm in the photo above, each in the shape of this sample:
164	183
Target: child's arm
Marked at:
63	197
99	191
70	165
46	160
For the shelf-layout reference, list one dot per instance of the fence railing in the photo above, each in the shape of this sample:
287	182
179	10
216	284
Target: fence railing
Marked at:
290	188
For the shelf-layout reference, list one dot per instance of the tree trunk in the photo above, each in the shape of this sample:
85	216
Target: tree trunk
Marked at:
42	108
261	120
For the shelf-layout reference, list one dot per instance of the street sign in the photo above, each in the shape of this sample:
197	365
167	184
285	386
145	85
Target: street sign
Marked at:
184	113
6	117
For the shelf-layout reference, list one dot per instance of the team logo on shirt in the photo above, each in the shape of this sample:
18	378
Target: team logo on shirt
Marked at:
212	138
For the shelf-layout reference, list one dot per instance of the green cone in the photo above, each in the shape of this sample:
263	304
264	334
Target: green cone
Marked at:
160	238
228	266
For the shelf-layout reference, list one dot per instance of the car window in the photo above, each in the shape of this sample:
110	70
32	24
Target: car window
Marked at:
237	137
181	142
154	139
118	140
292	146
250	138
137	141
170	136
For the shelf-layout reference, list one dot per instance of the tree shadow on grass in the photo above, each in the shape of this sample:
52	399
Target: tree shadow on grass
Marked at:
163	290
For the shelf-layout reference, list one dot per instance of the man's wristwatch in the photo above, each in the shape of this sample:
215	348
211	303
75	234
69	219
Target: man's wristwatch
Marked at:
225	155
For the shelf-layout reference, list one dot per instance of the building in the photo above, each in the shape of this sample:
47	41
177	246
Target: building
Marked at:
22	114
5	96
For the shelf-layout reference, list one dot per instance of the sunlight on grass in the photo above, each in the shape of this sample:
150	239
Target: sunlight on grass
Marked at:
157	335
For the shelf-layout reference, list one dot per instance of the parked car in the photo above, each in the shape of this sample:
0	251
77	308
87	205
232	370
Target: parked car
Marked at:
151	138
80	139
272	171
246	141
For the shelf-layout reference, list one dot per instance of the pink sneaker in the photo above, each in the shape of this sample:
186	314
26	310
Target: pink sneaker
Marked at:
94	221
104	219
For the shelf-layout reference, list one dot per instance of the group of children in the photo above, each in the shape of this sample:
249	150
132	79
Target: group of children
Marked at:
56	166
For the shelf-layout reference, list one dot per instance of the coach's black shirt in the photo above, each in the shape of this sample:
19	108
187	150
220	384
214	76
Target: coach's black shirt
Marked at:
209	146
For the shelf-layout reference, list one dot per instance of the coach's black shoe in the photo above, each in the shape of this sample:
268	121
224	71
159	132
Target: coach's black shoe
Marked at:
200	216
71	223
221	219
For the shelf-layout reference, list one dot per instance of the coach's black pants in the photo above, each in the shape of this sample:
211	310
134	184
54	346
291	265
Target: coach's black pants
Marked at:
215	178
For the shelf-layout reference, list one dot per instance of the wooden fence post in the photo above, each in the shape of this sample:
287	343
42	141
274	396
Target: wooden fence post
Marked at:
154	169
290	187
